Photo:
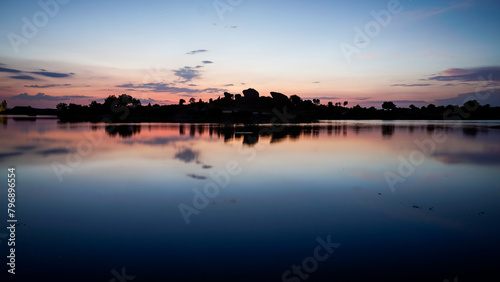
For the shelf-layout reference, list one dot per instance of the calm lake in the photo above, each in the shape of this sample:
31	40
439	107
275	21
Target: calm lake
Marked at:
330	201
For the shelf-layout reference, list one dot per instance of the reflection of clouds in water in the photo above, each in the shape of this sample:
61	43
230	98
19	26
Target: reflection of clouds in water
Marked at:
25	148
187	155
198	177
56	151
158	141
46	142
483	158
8	155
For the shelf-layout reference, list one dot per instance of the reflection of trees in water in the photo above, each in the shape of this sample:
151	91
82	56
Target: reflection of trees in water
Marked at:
470	132
3	120
388	131
123	131
252	134
192	130
251	139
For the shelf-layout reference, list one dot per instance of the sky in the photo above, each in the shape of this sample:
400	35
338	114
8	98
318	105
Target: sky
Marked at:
159	51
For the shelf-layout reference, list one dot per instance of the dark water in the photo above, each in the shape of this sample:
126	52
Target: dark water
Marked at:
344	201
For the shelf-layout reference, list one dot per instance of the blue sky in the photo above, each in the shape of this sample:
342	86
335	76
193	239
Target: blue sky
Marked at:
424	52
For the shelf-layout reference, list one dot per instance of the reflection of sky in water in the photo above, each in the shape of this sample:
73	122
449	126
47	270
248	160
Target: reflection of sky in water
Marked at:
119	206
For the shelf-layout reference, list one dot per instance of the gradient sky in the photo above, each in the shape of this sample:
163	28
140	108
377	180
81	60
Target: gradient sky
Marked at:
440	52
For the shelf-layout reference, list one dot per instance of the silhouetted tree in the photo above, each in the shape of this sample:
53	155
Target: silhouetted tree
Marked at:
3	106
251	94
192	100
109	101
279	97
182	101
330	104
413	107
295	99
316	102
471	105
388	106
228	96
62	107
345	103
125	100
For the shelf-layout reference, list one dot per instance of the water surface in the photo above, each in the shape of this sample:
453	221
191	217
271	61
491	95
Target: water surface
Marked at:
406	200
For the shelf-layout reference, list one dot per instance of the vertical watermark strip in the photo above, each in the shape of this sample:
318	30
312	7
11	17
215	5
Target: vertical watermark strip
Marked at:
11	212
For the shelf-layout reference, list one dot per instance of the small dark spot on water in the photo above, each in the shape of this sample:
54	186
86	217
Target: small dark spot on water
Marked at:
198	177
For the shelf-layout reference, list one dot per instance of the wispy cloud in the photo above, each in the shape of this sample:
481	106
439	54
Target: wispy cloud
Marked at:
422	14
44	97
9	70
460	99
28	76
187	73
47	85
168	88
228	85
207	62
321	98
472	74
412	85
23	77
52	74
214	90
194	52
152	101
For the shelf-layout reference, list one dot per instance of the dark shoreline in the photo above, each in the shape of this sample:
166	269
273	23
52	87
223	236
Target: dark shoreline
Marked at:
252	110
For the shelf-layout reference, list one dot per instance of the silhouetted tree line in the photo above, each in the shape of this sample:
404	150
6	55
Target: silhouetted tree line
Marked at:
253	108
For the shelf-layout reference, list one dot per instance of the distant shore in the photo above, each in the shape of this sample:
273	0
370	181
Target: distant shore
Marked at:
252	109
